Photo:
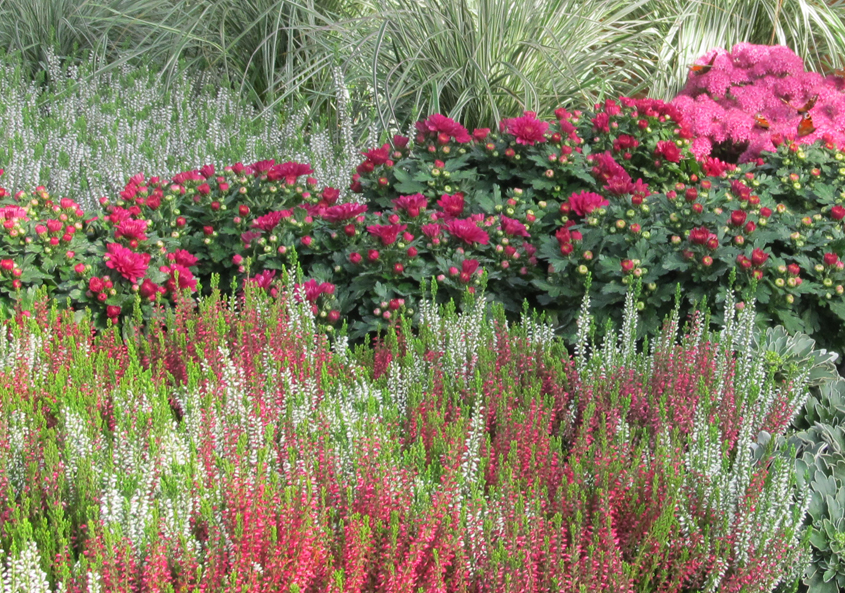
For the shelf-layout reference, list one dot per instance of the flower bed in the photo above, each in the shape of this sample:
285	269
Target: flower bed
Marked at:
238	451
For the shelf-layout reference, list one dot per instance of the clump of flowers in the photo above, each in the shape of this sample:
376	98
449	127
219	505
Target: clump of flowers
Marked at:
753	98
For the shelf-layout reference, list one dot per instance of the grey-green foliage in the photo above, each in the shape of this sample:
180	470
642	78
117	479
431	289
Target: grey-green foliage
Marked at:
87	131
821	446
784	352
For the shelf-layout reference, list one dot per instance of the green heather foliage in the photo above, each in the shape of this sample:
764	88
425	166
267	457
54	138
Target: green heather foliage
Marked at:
230	447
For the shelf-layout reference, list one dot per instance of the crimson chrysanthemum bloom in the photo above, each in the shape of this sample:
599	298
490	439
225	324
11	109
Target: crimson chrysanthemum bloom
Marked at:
527	129
329	196
467	231
313	290
452	205
186	278
440	124
738	217
432	230
386	232
343	212
513	227
271	220
378	156
118	215
131	229
668	150
126	262
263	279
468	268
759	257
150	289
585	202
183	258
289	171
411	204
13	212
606	168
699	236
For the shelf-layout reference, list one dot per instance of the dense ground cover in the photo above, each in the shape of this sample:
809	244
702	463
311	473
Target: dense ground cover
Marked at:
232	448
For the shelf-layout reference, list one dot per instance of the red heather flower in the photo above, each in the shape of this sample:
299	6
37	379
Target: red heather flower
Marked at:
439	124
387	232
411	204
289	171
467	231
480	134
830	259
432	230
343	212
668	150
329	196
271	220
131	229
759	257
468	268
378	156
699	236
527	129
126	262
837	212
149	289
186	278
183	258
452	205
738	217
513	227
585	202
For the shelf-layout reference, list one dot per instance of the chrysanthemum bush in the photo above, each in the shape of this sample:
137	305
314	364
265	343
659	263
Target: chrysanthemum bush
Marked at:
754	97
535	206
230	447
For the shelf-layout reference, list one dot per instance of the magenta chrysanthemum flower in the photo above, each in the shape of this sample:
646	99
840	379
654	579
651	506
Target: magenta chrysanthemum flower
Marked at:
527	129
513	227
289	171
440	124
452	205
668	150
271	220
411	204
467	231
432	230
132	230
127	263
183	258
387	232
378	156
585	202
263	279
186	278
343	212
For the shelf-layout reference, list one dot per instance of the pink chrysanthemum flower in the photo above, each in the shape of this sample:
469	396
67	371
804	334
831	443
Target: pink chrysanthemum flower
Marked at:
129	264
528	130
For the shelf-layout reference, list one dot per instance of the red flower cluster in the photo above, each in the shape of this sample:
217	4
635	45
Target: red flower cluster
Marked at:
126	262
467	231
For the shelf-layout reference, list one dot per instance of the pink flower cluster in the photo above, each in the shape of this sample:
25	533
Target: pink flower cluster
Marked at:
757	96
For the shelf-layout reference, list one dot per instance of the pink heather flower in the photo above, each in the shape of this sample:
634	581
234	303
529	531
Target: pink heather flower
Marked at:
289	171
186	278
126	262
270	221
130	229
467	231
183	258
432	230
387	233
411	204
527	129
452	205
585	202
439	124
668	150
343	212
513	227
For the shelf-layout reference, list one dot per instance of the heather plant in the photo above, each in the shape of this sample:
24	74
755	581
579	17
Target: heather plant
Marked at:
754	97
231	446
87	129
